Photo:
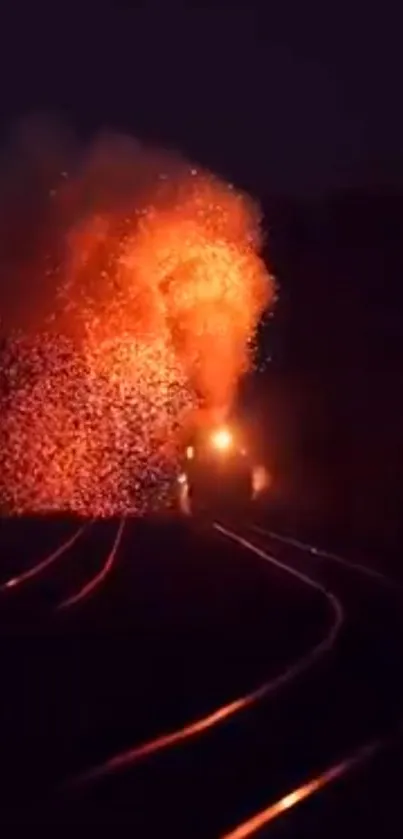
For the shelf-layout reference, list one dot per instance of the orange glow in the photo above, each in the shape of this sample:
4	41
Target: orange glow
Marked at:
156	287
222	439
264	817
261	479
166	741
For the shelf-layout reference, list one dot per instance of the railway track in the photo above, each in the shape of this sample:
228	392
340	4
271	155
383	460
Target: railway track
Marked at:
58	563
255	756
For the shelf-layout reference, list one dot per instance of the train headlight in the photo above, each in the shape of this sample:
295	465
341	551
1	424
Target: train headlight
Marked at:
222	439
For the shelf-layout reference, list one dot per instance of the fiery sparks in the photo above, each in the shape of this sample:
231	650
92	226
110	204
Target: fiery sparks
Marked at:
155	288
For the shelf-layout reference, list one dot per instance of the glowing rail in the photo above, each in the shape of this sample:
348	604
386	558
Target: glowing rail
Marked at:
303	546
13	582
273	811
165	741
89	587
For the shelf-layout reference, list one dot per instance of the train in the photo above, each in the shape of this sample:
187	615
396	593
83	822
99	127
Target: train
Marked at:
216	473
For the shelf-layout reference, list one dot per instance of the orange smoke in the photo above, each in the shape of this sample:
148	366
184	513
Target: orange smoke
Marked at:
158	288
200	256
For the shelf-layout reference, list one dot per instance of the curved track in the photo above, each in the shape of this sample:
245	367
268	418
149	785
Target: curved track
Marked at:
95	581
239	704
323	554
43	564
338	688
259	821
42	572
353	762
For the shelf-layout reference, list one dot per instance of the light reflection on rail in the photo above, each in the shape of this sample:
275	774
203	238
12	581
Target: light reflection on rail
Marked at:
95	581
324	554
13	582
273	811
165	741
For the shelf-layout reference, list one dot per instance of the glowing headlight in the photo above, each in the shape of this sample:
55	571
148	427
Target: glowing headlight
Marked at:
190	452
222	439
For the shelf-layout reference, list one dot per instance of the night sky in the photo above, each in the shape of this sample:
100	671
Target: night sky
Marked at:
301	99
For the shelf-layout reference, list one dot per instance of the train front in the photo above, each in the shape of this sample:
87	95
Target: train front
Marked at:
216	472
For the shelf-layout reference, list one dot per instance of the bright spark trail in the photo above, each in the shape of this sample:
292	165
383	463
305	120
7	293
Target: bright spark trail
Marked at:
148	305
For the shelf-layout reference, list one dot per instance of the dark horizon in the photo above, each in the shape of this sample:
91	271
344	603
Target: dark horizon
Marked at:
292	102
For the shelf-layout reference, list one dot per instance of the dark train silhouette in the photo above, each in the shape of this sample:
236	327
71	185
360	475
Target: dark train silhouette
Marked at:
216	472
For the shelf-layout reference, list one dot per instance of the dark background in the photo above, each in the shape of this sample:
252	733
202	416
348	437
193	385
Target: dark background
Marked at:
301	105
